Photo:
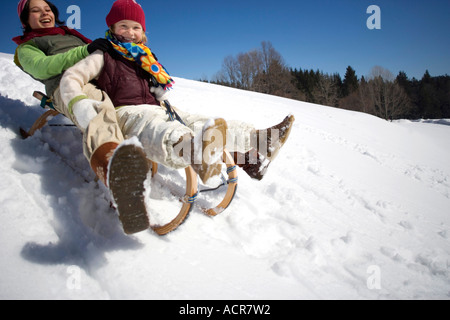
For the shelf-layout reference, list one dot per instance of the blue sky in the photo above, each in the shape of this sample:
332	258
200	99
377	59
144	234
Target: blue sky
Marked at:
191	38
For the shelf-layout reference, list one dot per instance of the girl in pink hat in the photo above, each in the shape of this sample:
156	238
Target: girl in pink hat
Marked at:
45	51
139	85
131	79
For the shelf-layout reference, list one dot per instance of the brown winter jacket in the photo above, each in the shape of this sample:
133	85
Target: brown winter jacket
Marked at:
125	82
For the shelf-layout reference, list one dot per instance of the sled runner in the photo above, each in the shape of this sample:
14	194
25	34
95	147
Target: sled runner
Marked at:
192	191
43	119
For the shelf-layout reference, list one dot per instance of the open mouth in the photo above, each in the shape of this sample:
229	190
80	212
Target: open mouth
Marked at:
45	21
125	39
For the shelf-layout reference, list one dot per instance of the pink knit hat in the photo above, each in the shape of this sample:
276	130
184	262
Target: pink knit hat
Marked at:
21	6
126	10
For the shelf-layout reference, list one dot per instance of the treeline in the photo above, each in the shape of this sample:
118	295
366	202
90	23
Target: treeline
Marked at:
379	93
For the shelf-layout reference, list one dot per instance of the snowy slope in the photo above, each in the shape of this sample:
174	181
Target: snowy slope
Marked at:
354	208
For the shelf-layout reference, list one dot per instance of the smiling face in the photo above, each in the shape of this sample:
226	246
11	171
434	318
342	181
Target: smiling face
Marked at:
41	15
128	31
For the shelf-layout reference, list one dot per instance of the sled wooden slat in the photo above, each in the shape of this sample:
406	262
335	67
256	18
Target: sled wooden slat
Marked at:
39	95
191	188
39	123
191	191
232	186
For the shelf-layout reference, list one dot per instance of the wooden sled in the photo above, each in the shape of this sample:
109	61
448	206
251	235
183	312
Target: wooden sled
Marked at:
191	176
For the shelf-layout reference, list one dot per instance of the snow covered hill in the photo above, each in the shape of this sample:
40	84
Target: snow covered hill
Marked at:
354	208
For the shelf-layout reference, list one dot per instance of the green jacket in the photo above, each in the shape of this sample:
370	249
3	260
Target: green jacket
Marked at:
46	58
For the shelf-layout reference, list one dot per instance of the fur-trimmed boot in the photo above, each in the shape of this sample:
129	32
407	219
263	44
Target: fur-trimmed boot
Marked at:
269	142
213	144
123	169
205	152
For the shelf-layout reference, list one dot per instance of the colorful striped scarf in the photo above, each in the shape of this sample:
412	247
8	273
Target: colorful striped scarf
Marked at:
142	55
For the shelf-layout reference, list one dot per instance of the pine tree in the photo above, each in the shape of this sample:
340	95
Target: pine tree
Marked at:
350	83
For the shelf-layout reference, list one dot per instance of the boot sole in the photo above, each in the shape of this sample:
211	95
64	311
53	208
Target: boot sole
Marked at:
128	171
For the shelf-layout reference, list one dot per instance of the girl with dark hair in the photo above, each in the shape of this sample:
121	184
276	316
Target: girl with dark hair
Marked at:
24	14
127	71
45	51
47	48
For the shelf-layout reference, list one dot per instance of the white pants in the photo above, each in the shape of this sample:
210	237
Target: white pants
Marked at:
152	126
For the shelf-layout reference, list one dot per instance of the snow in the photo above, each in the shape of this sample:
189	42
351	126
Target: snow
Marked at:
354	207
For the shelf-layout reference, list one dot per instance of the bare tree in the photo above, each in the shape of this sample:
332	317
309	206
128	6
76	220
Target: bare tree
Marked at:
229	71
270	56
326	91
262	70
249	65
387	98
275	77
